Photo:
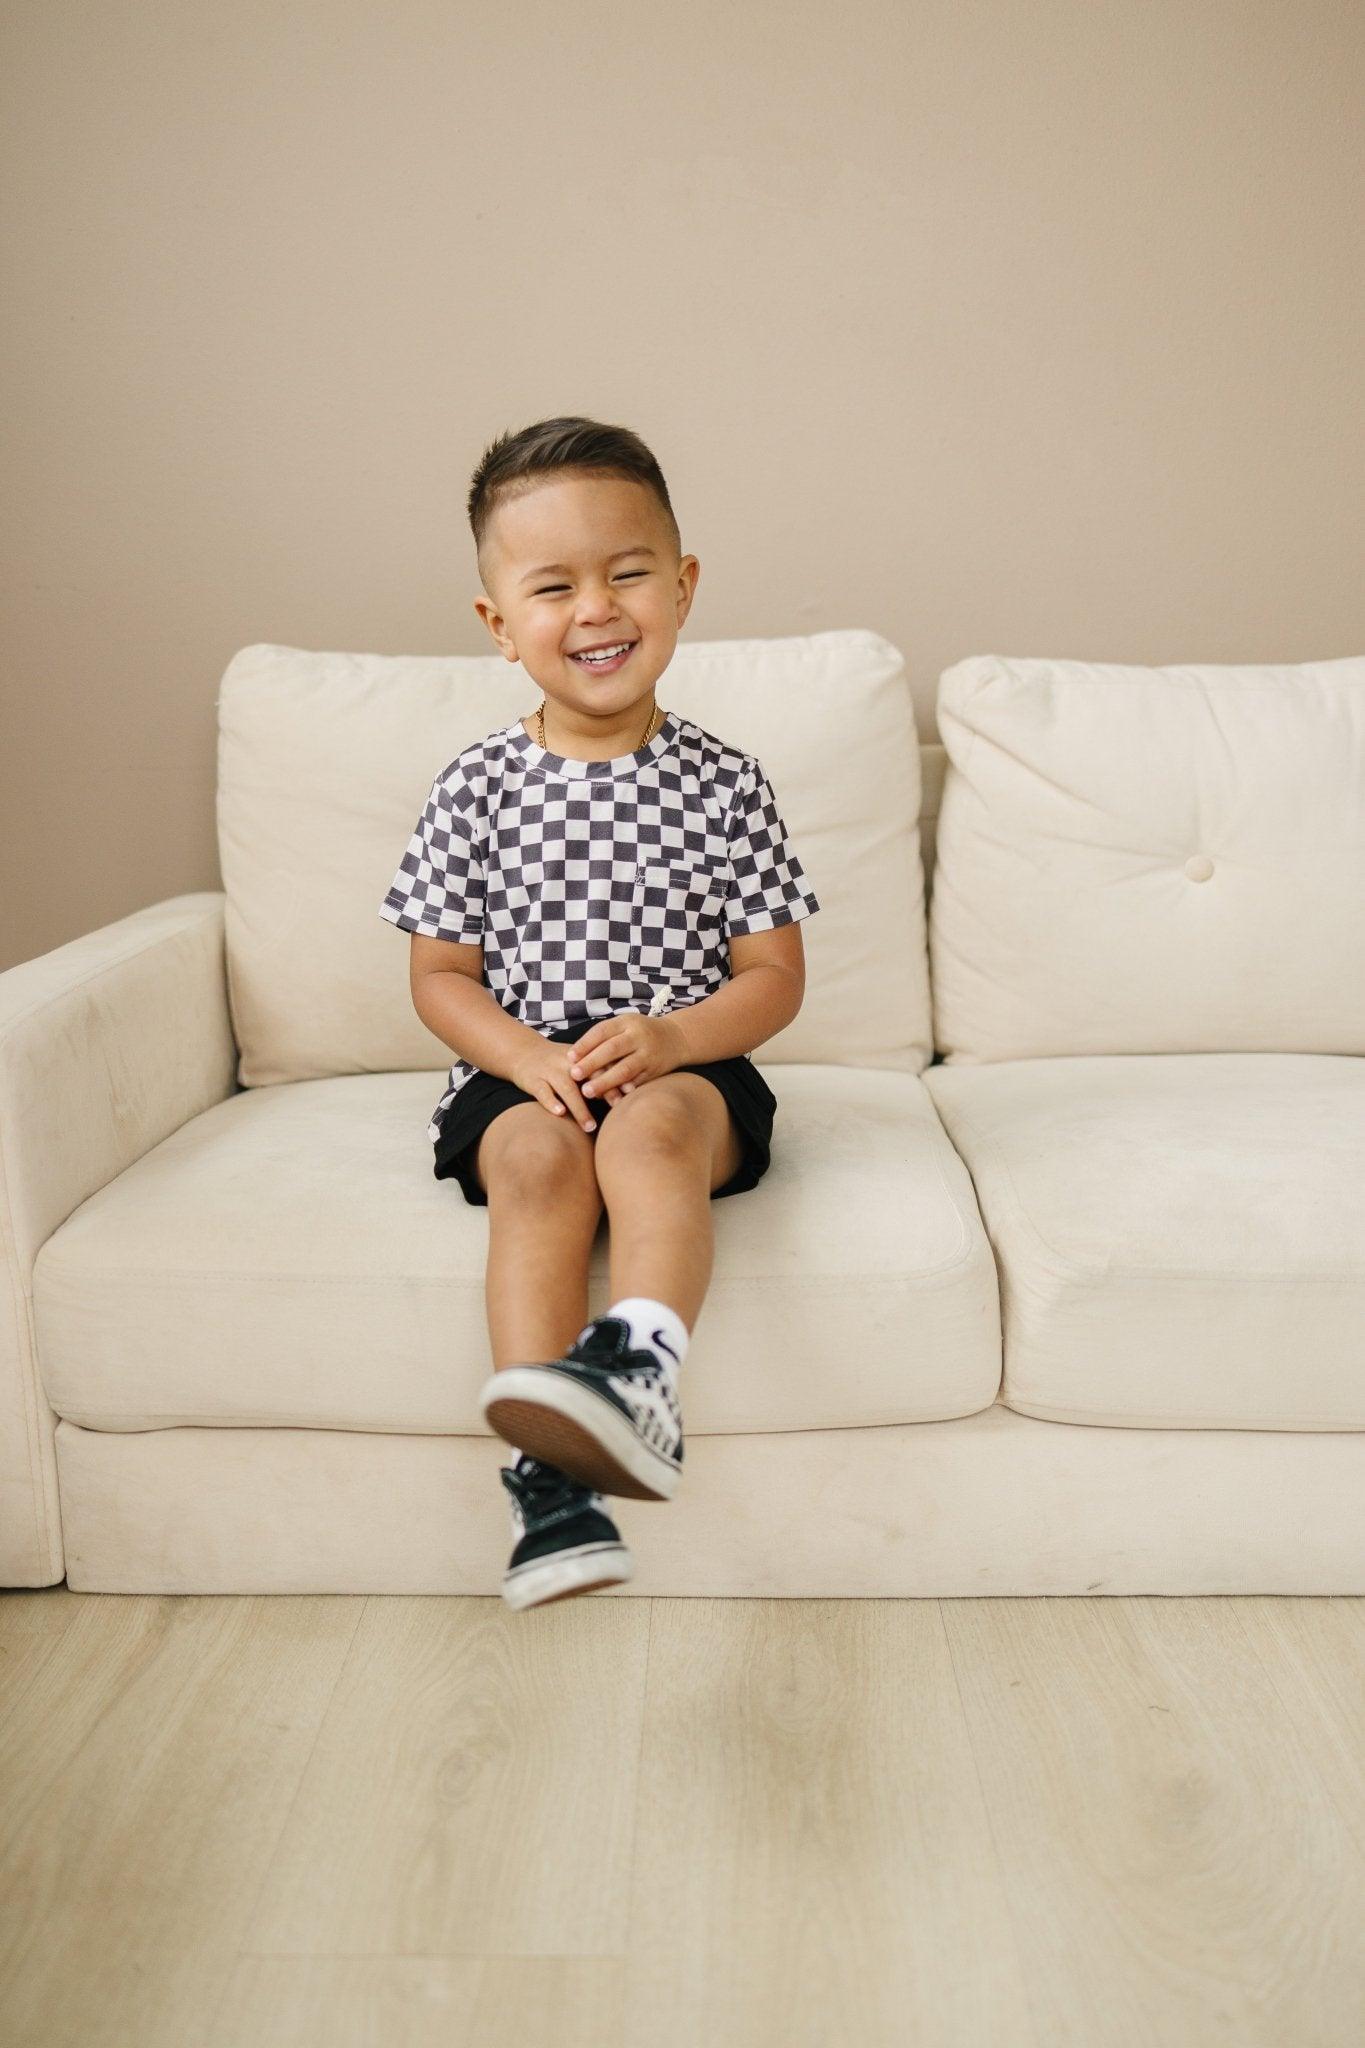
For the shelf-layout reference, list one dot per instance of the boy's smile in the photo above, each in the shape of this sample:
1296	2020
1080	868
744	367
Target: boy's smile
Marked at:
603	661
581	564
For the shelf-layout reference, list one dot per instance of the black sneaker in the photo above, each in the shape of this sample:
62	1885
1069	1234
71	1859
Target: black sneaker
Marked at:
566	1542
605	1414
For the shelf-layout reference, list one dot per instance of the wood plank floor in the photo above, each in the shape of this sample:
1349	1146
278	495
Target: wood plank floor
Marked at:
279	1822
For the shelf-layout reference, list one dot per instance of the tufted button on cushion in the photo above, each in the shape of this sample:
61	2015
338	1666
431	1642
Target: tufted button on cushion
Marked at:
1199	867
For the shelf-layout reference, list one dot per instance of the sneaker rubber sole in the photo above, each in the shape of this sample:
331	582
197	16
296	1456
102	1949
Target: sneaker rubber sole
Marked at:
563	1423
585	1570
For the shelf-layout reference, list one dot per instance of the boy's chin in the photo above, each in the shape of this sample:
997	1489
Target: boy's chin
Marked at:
610	695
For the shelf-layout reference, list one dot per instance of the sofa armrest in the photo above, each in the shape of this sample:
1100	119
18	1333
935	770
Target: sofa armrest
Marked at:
107	1045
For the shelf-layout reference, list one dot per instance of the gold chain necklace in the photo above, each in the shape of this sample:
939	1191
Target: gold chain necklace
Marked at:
649	729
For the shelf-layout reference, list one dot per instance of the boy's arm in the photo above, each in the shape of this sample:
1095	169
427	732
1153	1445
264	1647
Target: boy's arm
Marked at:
766	988
451	998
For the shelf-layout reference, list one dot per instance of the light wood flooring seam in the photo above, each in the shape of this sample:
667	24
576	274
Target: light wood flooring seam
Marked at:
1001	1871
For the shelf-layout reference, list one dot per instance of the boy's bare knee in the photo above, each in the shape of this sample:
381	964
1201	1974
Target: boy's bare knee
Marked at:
652	1123
534	1156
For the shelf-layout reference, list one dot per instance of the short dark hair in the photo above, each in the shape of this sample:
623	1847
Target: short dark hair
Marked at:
508	465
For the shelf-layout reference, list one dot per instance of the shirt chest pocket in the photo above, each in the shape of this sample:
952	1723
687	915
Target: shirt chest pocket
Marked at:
678	931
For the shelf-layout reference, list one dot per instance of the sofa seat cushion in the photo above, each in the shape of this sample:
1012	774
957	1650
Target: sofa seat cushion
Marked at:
287	1258
1178	1236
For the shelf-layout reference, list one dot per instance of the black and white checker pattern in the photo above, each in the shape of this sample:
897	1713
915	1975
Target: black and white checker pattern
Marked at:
597	886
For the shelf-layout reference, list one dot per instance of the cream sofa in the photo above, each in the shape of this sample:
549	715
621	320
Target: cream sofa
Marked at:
1056	1284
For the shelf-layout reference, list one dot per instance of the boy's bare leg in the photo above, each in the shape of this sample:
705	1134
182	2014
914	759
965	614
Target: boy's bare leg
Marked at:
544	1206
659	1154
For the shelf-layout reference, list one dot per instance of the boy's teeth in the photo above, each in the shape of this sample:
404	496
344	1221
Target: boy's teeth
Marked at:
604	653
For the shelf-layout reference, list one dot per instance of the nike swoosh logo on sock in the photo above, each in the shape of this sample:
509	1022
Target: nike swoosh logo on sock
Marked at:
661	1343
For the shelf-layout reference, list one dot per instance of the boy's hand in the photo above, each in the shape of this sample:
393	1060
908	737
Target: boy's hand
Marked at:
618	1053
544	1073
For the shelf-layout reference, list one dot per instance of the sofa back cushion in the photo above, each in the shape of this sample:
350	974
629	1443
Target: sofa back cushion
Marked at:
1141	860
326	760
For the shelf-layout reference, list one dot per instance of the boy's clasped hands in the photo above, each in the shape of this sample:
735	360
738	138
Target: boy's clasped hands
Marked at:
614	1056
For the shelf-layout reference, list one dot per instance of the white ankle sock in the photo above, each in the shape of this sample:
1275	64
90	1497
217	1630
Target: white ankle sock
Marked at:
649	1320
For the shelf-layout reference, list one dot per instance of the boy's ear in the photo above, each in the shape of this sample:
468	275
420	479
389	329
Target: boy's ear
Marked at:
493	619
689	569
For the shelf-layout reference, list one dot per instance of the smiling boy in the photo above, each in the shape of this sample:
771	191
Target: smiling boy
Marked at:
605	917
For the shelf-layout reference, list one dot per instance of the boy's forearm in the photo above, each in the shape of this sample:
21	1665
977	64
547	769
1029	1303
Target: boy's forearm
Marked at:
745	1011
467	1016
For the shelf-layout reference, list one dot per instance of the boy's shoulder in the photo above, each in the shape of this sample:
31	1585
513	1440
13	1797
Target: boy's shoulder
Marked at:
711	743
719	760
475	762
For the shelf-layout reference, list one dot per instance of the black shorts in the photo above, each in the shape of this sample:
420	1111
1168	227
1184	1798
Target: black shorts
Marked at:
752	1107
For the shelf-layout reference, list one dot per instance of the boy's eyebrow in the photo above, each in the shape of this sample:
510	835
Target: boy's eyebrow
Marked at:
552	568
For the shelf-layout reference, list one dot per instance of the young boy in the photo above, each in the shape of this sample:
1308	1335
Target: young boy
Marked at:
605	917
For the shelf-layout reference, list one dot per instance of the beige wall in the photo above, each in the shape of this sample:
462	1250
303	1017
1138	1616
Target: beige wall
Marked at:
1015	328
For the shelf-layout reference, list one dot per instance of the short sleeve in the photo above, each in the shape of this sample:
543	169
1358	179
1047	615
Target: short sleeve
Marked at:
439	887
768	885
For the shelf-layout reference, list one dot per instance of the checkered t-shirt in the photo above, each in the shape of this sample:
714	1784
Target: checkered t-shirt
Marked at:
597	886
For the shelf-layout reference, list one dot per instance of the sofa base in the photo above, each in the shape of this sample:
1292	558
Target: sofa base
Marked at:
993	1504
